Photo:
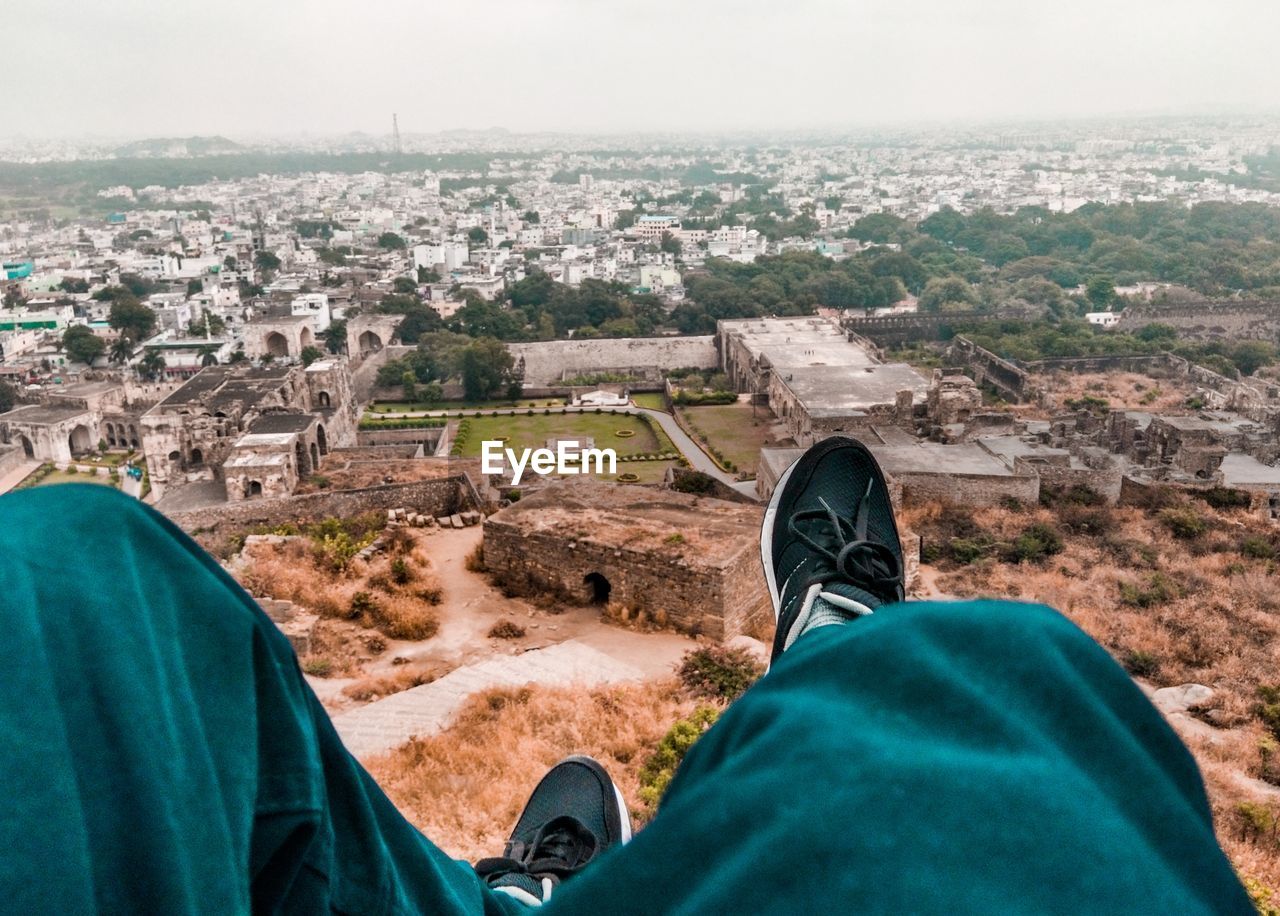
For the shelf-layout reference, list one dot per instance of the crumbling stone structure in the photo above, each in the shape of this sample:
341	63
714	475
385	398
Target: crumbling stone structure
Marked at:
669	558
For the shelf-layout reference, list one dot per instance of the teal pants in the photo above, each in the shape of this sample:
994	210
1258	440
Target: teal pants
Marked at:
162	753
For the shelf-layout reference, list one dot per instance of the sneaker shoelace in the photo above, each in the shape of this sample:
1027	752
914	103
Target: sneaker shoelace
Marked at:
848	555
558	849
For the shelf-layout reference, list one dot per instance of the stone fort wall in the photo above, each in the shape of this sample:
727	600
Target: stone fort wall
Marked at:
213	526
1251	319
717	602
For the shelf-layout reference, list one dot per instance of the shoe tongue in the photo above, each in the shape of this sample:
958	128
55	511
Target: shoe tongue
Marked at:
841	589
527	883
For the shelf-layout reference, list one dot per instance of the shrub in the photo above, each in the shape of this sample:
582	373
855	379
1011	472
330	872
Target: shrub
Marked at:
506	629
1223	497
1140	663
1034	544
475	560
1158	589
401	572
317	666
1080	518
658	770
1257	548
967	550
362	605
719	672
676	538
1183	522
1268	707
1076	494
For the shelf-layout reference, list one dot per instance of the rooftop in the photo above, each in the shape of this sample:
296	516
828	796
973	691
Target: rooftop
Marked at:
837	390
712	532
281	423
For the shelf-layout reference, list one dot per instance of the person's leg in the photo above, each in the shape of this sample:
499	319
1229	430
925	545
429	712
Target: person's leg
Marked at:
969	757
975	757
161	750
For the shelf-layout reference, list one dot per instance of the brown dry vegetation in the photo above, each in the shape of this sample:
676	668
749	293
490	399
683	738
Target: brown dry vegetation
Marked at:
394	594
1178	592
466	786
1120	389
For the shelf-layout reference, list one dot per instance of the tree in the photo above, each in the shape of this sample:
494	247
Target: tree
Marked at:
477	236
670	244
532	218
335	336
13	297
82	345
151	365
213	325
121	351
1100	291
391	242
310	354
404	285
486	367
131	318
409	382
427	275
72	285
946	294
194	287
431	393
265	260
8	397
208	356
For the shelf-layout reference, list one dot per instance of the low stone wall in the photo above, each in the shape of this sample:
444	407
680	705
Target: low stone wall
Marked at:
214	526
427	436
969	489
1008	380
687	480
1106	482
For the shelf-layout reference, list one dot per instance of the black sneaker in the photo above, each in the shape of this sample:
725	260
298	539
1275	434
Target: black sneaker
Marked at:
575	813
829	537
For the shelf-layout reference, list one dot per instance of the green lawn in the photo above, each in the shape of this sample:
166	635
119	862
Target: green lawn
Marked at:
64	477
533	432
733	430
654	400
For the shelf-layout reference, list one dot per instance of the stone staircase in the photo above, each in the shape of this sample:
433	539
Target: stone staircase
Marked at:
384	725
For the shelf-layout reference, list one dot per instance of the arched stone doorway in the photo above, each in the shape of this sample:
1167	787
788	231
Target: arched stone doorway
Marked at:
197	458
134	439
80	440
305	339
27	448
111	435
277	344
300	455
597	588
370	341
323	399
322	439
254	488
315	455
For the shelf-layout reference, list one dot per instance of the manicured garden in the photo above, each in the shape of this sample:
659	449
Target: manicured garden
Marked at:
732	433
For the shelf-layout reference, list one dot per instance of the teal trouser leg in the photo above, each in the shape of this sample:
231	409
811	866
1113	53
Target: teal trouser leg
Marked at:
161	751
978	757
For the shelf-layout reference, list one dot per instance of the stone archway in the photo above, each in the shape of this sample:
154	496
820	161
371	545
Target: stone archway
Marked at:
111	435
323	399
305	338
322	439
597	588
254	488
315	456
300	455
27	448
276	344
197	458
80	440
370	341
134	439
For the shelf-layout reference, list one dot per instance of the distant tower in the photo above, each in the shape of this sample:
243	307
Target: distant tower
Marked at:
395	132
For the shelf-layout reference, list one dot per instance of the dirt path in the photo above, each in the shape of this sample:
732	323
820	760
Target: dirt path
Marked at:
471	605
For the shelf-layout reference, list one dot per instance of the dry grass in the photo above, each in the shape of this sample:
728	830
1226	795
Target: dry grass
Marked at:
375	688
1121	389
466	786
395	592
1201	609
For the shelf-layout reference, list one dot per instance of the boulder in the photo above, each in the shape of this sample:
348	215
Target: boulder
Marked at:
1171	700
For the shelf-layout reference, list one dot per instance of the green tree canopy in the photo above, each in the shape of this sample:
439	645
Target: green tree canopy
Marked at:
82	345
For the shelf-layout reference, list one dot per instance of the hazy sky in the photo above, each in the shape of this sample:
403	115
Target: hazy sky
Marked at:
237	67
